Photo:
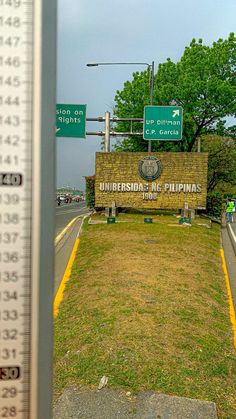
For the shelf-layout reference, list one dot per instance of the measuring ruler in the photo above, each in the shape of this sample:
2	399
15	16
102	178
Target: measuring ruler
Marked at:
27	108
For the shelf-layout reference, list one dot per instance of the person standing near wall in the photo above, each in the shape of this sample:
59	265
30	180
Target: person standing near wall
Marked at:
229	211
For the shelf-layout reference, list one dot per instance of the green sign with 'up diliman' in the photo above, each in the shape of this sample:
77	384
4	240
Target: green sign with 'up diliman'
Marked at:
71	121
163	123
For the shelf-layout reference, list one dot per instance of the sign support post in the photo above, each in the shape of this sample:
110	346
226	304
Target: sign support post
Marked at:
107	132
151	99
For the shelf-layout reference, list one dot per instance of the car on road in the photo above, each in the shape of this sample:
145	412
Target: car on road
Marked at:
76	198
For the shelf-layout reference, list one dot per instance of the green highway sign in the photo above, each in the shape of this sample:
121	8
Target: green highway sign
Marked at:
71	121
163	123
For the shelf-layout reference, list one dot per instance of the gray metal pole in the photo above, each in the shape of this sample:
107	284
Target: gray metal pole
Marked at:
151	99
152	84
199	145
45	176
107	131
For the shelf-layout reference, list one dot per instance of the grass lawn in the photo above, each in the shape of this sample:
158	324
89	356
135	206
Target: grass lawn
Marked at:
147	306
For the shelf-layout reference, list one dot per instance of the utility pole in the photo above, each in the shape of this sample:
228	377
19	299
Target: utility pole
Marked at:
151	98
151	72
107	131
199	145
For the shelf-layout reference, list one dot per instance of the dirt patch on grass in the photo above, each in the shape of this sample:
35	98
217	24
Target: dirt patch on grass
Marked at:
147	306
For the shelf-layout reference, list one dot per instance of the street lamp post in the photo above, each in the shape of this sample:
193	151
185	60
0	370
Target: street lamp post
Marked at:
150	66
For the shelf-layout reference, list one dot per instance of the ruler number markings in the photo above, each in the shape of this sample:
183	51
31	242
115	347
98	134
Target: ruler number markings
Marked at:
15	216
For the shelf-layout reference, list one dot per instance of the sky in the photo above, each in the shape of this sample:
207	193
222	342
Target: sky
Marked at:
121	31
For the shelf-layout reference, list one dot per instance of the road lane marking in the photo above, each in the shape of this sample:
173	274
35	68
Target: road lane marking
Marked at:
64	231
231	304
66	276
232	232
70	211
65	279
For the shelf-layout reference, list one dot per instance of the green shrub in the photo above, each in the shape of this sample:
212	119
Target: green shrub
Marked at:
215	203
90	191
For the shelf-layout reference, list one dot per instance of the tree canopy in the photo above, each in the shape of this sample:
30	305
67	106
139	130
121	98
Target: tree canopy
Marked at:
221	161
203	82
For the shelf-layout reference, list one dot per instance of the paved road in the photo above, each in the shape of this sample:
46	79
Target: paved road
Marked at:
63	251
232	233
229	244
66	212
234	224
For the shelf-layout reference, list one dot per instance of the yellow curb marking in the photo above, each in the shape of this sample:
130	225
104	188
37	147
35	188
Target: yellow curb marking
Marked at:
231	304
63	232
65	279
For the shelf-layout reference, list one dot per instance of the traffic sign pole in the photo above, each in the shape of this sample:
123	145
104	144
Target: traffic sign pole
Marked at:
151	99
27	131
107	132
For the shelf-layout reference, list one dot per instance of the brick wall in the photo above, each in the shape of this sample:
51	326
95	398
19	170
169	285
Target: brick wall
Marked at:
116	174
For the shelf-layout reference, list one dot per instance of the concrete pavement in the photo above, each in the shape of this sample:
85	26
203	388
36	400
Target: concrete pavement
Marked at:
114	404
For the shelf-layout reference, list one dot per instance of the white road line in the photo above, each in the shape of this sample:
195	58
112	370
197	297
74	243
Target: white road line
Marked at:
81	225
64	231
232	232
67	212
71	211
67	227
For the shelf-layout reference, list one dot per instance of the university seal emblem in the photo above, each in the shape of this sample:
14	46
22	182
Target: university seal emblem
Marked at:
150	168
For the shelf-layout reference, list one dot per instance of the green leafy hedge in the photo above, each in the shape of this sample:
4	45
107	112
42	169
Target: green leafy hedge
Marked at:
90	191
215	204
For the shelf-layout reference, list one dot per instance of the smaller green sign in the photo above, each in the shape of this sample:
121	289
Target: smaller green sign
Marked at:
162	123
71	121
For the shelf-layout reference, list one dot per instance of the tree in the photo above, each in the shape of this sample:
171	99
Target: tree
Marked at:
130	103
203	82
221	171
221	162
90	191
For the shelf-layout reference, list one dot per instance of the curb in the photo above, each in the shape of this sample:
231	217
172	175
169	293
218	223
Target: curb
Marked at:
68	226
214	220
230	297
60	292
232	236
64	231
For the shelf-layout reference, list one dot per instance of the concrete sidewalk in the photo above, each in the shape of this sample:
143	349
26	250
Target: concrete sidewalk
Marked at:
114	404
